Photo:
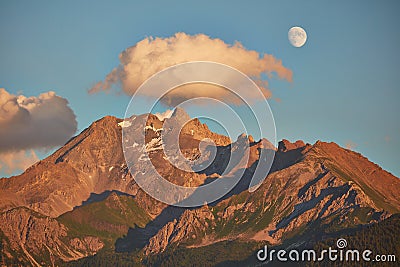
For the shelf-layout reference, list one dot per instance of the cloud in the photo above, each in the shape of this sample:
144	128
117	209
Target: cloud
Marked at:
17	161
151	55
34	122
350	145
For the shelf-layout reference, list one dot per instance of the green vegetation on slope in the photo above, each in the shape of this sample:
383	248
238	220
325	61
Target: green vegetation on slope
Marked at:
108	219
381	238
223	253
212	255
106	258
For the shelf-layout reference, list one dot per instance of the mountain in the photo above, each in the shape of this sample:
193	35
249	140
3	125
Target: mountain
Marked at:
81	205
318	193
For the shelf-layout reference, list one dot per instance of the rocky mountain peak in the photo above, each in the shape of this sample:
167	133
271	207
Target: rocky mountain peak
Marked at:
180	115
285	145
244	138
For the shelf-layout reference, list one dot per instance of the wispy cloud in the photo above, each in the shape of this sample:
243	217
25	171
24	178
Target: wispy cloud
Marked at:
350	145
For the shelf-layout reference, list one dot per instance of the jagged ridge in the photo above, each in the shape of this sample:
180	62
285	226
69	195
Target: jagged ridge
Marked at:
316	189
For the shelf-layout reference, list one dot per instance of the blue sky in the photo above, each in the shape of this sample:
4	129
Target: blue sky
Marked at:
345	78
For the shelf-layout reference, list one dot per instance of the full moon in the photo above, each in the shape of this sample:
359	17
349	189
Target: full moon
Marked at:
297	36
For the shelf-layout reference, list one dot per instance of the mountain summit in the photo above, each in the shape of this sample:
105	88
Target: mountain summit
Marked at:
83	199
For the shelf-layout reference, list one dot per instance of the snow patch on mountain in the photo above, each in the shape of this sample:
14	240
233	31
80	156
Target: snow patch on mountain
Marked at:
124	124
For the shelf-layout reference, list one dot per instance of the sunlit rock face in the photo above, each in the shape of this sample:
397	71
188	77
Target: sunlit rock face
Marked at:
49	206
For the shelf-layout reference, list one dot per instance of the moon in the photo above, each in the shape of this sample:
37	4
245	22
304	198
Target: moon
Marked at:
297	36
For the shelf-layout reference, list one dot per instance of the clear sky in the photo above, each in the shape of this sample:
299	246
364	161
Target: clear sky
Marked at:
345	78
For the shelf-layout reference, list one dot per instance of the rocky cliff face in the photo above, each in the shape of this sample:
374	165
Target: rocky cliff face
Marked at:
35	239
191	224
61	208
318	194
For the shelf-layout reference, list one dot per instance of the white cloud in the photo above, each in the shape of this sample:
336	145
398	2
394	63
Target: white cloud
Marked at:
151	55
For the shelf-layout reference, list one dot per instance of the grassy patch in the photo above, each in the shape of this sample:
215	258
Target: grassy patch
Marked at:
108	219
